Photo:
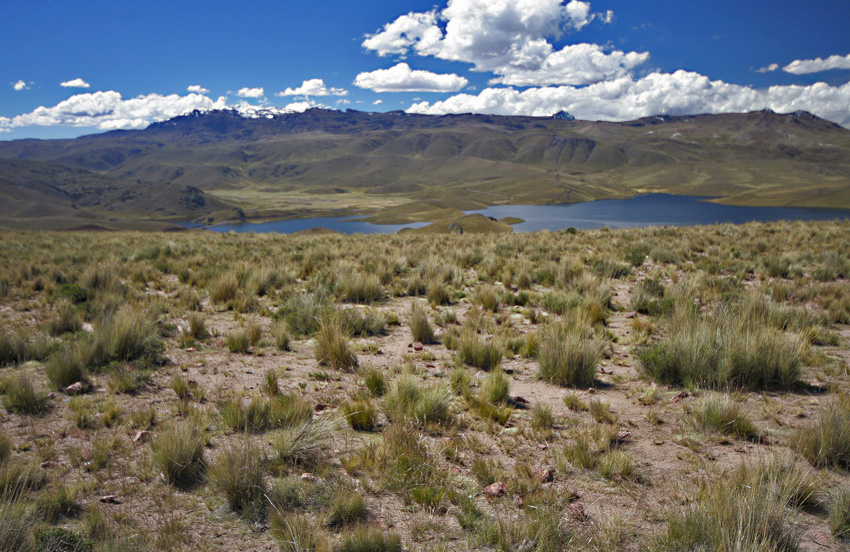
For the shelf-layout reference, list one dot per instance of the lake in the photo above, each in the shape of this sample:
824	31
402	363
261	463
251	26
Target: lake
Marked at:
645	210
649	210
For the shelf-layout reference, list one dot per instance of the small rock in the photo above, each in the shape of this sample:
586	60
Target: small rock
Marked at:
190	349
545	474
307	476
591	390
141	436
623	434
520	400
418	346
87	327
576	511
75	388
630	314
542	446
680	396
109	499
518	500
510	431
47	465
320	407
496	489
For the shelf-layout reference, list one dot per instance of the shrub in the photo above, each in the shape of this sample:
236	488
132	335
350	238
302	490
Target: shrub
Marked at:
420	328
827	442
332	347
239	474
178	452
407	399
475	351
568	356
22	396
723	415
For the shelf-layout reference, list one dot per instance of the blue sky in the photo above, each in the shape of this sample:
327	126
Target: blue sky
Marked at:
72	68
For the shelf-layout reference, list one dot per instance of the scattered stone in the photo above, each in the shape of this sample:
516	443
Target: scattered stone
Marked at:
623	434
87	327
680	396
545	474
591	390
141	436
307	476
109	499
518	501
496	489
418	346
320	407
510	431
631	314
542	446
47	465
190	349
577	512
520	400
75	388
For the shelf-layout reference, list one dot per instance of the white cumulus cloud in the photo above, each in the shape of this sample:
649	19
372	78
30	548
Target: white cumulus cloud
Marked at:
251	92
20	85
626	98
769	69
107	110
197	89
576	64
806	66
377	102
401	78
75	83
313	87
510	38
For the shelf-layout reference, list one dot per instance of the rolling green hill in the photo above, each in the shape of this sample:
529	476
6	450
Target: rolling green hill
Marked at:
399	167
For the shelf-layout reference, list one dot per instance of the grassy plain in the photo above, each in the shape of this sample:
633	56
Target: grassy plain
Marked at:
647	389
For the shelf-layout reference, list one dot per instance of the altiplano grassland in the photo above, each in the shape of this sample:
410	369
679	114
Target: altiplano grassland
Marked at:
655	389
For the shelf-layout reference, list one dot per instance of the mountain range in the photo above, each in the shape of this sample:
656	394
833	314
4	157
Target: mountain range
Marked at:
398	167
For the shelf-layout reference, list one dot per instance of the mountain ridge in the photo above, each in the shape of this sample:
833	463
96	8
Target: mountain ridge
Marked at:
401	167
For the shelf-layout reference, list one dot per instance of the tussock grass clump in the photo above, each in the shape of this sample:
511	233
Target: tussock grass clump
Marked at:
238	341
496	387
304	311
66	367
375	382
346	508
827	442
361	322
178	452
197	327
21	396
263	413
478	352
361	414
302	443
732	515
5	446
358	287
723	415
420	328
368	539
127	335
66	320
224	289
18	477
407	399
295	533
14	349
723	351
568	356
332	347
839	511
238	473
18	521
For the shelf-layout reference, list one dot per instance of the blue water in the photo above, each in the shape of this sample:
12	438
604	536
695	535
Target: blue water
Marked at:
645	210
648	210
346	225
